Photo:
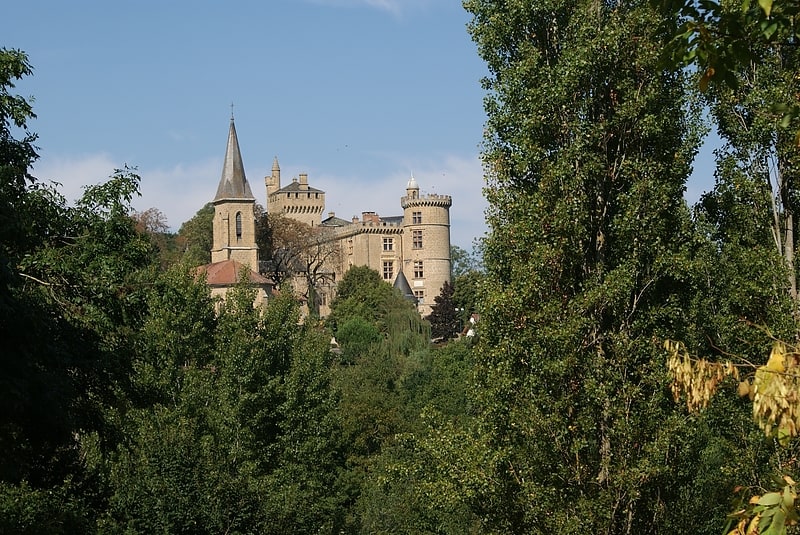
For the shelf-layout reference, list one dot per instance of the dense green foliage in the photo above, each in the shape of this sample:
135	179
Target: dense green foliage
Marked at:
136	403
588	149
444	317
196	237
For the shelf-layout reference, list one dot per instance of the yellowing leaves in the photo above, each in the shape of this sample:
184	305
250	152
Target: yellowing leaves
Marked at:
706	78
775	393
774	390
776	403
697	379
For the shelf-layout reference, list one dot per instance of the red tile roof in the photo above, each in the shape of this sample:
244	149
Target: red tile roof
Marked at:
226	273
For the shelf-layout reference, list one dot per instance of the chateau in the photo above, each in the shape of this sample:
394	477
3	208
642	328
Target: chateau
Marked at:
411	251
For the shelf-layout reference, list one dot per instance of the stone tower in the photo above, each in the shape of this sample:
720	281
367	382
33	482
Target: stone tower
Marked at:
234	215
273	182
426	242
297	200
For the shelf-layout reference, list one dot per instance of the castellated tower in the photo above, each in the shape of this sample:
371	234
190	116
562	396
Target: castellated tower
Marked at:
273	182
297	200
234	215
426	243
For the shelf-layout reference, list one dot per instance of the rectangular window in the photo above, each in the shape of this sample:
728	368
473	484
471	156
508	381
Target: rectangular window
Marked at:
416	239
388	244
418	272
388	270
416	218
420	295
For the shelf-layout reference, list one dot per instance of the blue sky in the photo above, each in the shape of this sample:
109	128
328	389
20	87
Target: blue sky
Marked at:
359	94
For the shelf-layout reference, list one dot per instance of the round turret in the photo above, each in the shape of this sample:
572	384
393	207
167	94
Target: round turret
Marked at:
426	243
412	189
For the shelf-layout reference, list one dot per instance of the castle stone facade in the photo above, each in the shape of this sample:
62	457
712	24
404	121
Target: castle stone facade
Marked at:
411	249
296	200
414	245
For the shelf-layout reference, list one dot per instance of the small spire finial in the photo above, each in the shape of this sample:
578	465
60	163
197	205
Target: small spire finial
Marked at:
412	182
231	110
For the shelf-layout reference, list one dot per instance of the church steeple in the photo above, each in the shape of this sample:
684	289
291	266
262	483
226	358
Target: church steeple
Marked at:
233	184
234	210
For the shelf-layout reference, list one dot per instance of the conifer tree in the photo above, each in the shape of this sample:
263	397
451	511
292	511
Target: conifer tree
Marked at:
443	318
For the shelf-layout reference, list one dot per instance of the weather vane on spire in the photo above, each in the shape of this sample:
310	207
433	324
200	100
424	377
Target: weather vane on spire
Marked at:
231	110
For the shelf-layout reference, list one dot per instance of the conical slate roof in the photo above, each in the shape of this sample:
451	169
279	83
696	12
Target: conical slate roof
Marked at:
233	184
401	283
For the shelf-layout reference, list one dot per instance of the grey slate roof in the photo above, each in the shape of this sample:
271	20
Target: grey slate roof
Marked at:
295	186
335	222
401	283
233	184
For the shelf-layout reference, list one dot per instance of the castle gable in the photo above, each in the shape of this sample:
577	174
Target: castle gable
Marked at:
333	221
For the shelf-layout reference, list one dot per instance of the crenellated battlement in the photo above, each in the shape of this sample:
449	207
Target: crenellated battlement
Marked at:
352	230
433	200
414	244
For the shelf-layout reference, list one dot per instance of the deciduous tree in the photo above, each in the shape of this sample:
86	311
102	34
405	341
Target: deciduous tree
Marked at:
196	237
588	148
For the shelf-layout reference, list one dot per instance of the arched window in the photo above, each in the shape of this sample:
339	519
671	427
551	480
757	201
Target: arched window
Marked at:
238	226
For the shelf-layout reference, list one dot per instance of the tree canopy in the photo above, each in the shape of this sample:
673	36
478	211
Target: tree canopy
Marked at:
139	403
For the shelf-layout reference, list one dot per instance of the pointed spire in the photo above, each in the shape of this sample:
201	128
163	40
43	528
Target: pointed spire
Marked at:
275	166
401	283
233	184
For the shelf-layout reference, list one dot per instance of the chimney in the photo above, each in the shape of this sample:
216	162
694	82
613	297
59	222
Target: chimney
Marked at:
303	181
372	217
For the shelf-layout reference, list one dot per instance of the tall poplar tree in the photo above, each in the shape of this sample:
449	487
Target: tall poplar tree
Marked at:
755	200
588	146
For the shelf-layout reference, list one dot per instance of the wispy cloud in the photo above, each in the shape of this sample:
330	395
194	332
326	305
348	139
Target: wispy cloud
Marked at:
394	7
180	191
457	176
73	173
